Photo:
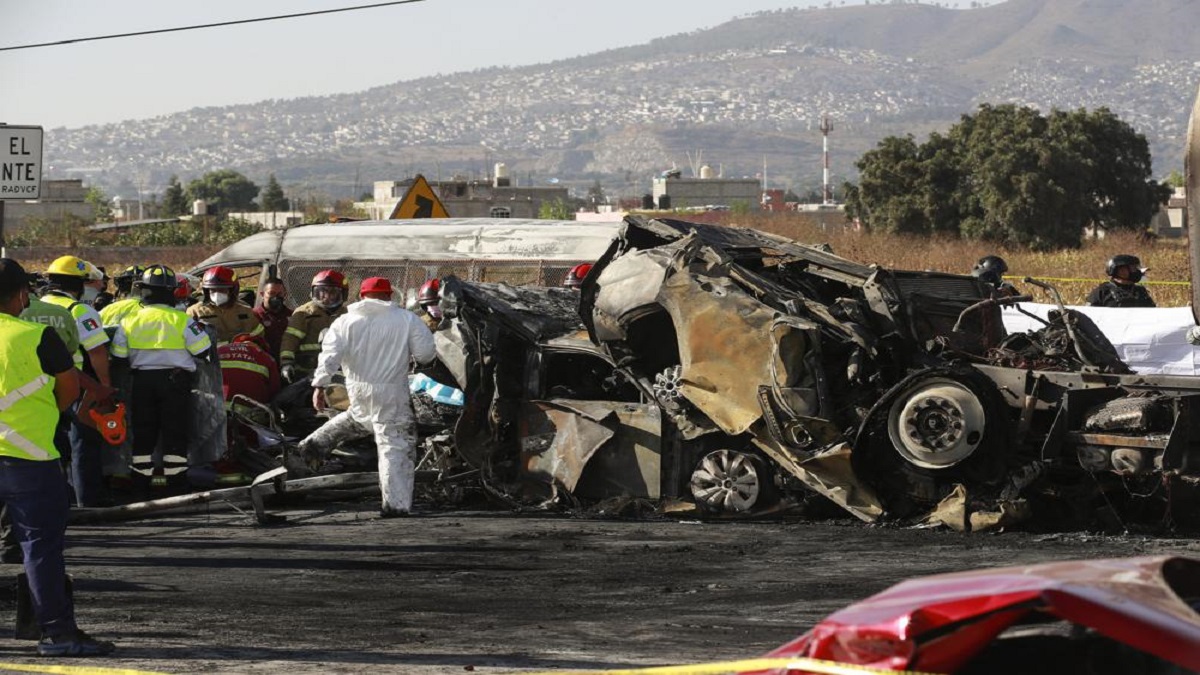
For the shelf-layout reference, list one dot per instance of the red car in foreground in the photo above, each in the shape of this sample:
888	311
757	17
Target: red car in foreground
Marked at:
1125	615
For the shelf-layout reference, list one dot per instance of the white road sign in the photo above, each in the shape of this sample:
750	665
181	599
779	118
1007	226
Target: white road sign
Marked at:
20	162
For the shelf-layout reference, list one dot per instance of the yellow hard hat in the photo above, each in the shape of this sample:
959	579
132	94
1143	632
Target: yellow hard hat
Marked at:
70	266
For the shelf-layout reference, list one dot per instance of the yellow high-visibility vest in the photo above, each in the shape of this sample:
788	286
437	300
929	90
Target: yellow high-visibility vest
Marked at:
28	410
155	327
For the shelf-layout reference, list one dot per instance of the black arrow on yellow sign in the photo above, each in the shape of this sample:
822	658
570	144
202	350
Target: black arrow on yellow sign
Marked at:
419	202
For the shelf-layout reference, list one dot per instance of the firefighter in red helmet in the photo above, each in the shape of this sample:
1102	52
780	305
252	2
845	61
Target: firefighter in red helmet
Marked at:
220	308
429	298
301	343
575	276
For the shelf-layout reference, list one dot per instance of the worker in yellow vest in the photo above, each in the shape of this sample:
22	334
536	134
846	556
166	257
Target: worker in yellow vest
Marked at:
160	343
126	301
38	380
68	277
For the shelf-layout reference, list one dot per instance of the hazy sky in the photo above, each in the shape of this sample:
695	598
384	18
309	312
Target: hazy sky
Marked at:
136	77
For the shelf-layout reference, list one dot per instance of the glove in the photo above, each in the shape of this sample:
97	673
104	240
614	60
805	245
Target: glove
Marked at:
288	373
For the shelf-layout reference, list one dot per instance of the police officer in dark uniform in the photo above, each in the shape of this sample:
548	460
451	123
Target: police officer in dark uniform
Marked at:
991	269
1122	288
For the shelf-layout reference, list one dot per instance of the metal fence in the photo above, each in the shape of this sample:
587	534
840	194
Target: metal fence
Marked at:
407	276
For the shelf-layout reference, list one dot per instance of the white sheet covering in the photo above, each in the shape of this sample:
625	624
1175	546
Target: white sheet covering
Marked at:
1149	339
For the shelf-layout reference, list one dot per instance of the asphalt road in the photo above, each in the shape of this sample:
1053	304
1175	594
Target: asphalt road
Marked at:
337	590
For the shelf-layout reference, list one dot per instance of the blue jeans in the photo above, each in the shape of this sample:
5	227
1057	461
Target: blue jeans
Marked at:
36	496
87	461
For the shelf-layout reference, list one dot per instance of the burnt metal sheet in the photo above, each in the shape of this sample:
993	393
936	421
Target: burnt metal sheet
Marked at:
733	239
724	348
561	437
631	464
531	312
828	473
631	283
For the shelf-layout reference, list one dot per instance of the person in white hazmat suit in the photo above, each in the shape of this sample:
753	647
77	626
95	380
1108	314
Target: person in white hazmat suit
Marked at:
373	344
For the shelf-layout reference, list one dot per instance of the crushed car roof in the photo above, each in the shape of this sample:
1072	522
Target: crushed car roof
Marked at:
425	239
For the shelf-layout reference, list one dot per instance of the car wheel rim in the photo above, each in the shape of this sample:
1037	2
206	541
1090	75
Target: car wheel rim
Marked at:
667	386
726	480
936	424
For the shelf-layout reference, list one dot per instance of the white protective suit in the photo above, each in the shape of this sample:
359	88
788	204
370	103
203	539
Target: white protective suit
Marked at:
373	344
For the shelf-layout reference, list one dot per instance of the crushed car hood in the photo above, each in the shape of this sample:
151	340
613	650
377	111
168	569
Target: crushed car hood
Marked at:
938	623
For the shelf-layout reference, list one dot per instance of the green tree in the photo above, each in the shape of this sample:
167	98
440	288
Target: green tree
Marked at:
1010	175
227	189
1175	179
1119	165
273	198
903	187
556	209
101	207
175	202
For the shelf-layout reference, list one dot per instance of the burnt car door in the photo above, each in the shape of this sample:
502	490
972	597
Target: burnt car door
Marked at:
583	428
545	412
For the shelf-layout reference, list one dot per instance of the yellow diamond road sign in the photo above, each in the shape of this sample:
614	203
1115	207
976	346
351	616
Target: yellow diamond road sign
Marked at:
419	202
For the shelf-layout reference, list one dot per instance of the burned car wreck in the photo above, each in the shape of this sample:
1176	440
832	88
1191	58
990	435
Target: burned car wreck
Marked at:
739	370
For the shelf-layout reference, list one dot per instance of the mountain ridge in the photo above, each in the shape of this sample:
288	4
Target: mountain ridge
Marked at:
747	91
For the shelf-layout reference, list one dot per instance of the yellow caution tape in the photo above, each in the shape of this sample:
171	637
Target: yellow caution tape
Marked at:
1144	282
72	670
806	665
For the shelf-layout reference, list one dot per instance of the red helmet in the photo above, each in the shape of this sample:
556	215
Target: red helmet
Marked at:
429	293
575	276
332	278
256	340
183	287
219	277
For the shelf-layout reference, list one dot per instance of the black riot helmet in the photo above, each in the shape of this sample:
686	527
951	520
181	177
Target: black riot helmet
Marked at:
157	285
1136	271
992	264
158	276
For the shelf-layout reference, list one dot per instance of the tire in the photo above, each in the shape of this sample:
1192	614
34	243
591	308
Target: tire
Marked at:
937	428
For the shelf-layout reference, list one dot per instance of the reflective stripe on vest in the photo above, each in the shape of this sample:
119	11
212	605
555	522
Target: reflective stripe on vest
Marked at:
246	365
155	327
28	409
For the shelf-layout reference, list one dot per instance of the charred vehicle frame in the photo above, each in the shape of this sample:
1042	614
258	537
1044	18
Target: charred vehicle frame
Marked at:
733	367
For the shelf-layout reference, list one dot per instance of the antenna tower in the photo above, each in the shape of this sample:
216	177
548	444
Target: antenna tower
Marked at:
826	188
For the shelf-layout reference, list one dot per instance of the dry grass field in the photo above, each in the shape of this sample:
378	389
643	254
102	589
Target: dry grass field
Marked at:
1073	272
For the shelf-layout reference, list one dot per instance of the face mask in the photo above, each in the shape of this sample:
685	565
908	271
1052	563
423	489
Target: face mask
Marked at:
275	302
89	294
219	299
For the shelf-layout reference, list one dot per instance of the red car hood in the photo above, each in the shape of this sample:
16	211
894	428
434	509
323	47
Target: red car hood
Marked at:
938	623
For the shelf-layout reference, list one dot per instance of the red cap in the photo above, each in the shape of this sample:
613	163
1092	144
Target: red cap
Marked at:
375	285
